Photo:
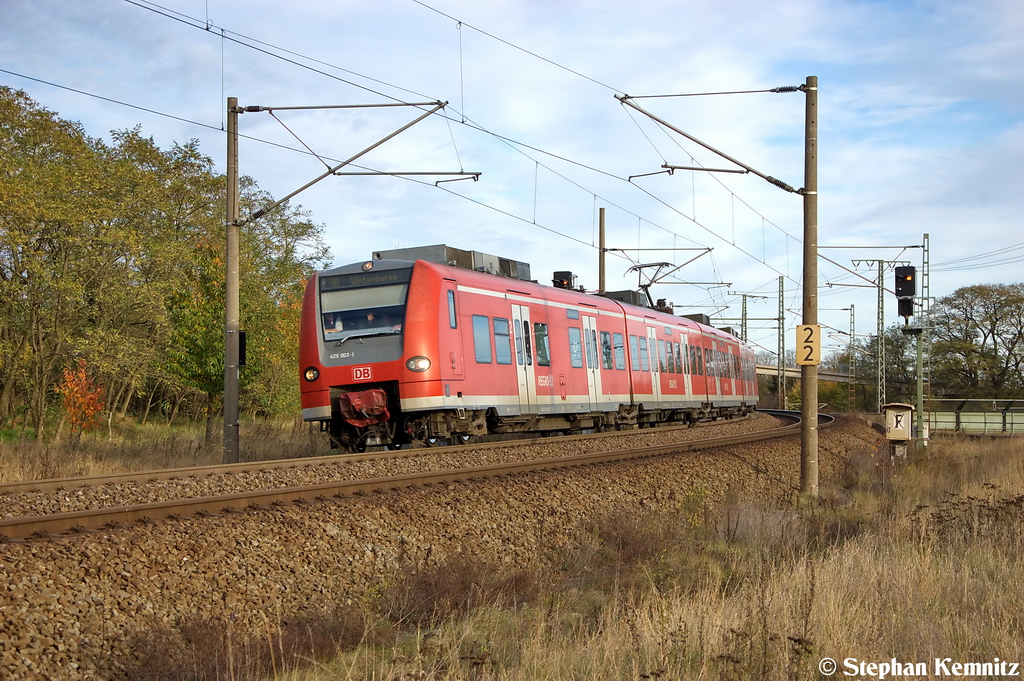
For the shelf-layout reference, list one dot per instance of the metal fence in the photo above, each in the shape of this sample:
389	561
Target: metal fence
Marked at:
977	416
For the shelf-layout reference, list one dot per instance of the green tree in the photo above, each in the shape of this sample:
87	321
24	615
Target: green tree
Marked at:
114	254
49	188
978	341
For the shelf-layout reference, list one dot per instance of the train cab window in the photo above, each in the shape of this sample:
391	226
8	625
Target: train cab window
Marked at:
482	339
575	348
543	345
606	350
645	365
634	353
453	321
502	341
362	312
620	352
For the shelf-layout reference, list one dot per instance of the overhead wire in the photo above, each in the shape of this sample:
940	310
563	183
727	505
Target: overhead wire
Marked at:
280	53
195	23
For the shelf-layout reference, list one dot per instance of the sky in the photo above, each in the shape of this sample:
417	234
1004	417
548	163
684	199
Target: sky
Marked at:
920	130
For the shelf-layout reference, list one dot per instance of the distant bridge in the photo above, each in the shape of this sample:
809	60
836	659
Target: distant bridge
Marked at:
823	375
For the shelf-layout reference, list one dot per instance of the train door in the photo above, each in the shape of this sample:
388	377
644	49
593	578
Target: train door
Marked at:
455	357
683	365
652	343
711	369
725	367
524	359
593	361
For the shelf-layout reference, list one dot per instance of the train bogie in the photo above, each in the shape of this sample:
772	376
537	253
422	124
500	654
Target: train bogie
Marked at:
395	352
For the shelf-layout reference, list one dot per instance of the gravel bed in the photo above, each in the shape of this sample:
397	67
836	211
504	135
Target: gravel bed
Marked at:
29	504
76	607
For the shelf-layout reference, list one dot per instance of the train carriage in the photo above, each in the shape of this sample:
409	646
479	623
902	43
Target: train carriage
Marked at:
396	352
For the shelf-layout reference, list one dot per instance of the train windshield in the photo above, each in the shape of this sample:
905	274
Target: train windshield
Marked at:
363	312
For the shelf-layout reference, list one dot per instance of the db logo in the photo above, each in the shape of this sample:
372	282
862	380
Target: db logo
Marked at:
362	373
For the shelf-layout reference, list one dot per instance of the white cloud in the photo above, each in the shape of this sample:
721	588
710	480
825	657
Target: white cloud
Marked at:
920	125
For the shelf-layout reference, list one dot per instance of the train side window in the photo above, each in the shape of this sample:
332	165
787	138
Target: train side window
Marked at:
661	356
620	352
524	355
645	365
526	341
680	356
502	342
575	348
606	350
540	332
671	363
709	363
634	353
482	339
591	337
452	320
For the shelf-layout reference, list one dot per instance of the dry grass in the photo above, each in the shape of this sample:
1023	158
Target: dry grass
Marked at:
912	565
129	447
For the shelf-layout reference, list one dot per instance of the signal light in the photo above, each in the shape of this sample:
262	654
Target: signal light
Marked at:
906	307
906	282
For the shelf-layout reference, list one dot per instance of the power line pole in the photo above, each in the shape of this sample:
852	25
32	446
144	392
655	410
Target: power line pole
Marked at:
809	372
880	354
231	349
851	395
234	222
924	358
781	363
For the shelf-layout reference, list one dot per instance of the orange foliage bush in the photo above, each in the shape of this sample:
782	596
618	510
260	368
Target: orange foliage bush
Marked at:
84	399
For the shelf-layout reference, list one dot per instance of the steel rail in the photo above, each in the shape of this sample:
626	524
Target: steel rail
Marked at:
14	529
53	484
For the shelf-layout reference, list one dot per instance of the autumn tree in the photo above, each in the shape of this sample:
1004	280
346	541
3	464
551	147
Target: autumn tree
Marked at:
82	397
978	341
113	253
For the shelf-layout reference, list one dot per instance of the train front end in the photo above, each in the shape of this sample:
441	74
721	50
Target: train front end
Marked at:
356	355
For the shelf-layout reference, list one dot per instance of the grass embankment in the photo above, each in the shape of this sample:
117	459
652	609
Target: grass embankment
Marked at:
915	564
131	447
920	564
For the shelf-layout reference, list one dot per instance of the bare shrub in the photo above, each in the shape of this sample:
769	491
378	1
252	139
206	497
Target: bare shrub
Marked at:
213	649
426	597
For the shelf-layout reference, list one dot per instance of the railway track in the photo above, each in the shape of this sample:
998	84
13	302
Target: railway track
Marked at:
41	526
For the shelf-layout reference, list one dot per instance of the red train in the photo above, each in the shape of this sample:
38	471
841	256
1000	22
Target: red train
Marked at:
396	352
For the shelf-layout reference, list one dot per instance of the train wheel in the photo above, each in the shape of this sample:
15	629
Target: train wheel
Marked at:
463	438
433	441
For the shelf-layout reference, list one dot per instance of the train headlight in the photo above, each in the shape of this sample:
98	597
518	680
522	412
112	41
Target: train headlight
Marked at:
311	374
419	363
